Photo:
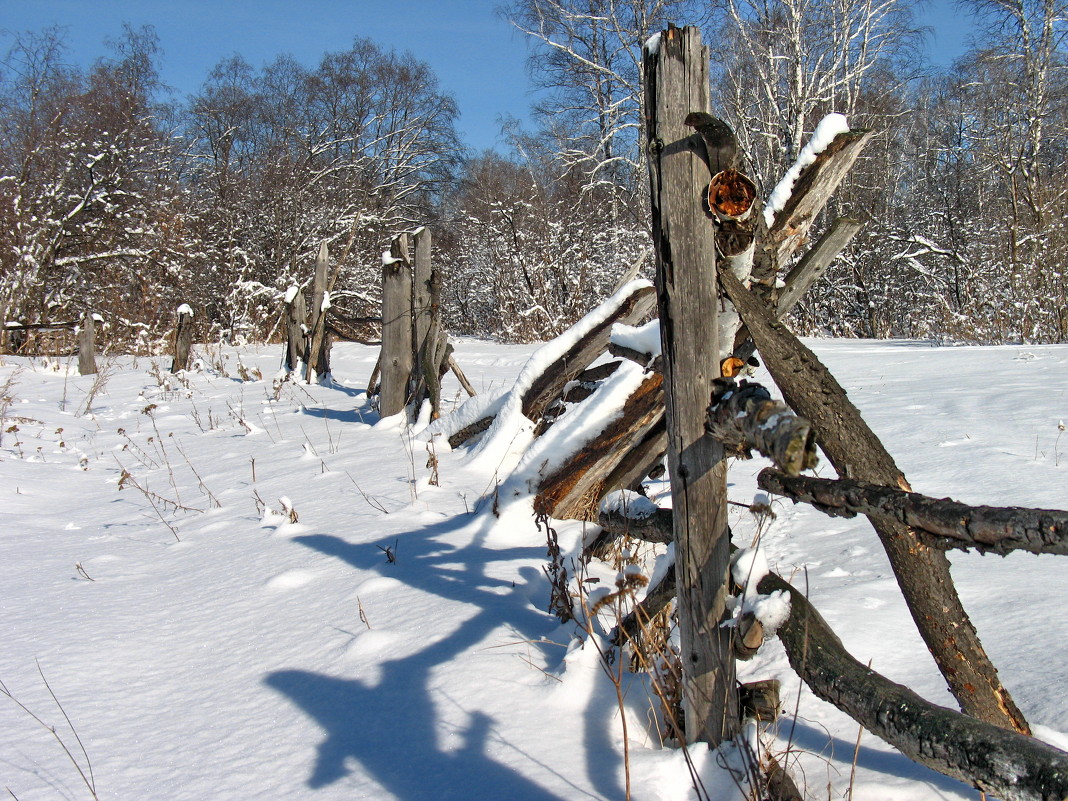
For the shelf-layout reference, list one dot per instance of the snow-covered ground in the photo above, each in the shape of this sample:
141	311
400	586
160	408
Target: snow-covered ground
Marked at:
317	621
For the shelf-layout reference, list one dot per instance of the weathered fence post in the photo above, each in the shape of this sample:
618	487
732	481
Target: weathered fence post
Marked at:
676	83
318	359
396	326
87	345
183	338
296	330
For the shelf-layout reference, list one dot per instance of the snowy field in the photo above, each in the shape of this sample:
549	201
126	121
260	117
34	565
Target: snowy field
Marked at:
240	596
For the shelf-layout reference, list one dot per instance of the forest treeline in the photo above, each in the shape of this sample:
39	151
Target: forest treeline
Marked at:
118	198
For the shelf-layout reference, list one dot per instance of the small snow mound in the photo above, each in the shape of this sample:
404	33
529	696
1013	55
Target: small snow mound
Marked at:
628	503
185	308
748	567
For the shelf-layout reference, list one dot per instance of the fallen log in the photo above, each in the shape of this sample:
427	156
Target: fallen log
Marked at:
744	418
922	572
993	759
548	386
947	523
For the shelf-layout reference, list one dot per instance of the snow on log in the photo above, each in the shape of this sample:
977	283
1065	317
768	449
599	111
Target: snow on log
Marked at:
810	192
950	524
549	369
745	418
574	488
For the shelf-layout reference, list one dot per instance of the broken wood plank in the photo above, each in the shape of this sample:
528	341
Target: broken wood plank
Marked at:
574	490
812	190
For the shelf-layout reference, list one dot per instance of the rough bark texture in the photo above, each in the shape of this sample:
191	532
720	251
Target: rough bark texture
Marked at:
676	84
996	760
949	524
922	572
745	418
396	328
87	345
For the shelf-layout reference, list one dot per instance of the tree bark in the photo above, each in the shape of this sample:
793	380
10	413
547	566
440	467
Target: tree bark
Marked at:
946	523
676	84
993	759
922	572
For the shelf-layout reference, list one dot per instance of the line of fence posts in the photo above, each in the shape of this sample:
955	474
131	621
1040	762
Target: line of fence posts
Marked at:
416	352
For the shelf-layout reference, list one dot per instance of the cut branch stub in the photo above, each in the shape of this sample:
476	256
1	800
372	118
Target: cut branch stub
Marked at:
745	418
731	195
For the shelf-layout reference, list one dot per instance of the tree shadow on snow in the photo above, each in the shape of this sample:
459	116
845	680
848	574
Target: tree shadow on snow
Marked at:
816	740
392	728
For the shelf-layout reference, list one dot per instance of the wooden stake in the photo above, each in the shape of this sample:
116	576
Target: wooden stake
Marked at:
676	84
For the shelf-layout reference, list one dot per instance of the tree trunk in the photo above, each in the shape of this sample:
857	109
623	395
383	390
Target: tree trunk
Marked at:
676	84
922	572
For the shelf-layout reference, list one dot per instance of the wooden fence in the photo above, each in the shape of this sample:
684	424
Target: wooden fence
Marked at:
715	250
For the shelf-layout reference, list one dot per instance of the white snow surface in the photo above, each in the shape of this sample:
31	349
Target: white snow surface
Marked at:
829	127
641	338
185	308
291	293
393	643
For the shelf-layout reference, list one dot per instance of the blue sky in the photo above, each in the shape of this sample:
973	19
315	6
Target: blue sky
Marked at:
476	54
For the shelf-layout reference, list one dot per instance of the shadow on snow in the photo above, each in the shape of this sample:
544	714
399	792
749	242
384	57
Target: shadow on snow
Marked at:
392	728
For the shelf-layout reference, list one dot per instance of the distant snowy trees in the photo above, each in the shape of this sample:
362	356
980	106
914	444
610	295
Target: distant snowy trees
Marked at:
116	199
112	200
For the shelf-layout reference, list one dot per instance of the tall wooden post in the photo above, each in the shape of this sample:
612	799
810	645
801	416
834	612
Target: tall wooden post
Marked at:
422	304
676	83
87	345
318	360
296	330
183	338
396	326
